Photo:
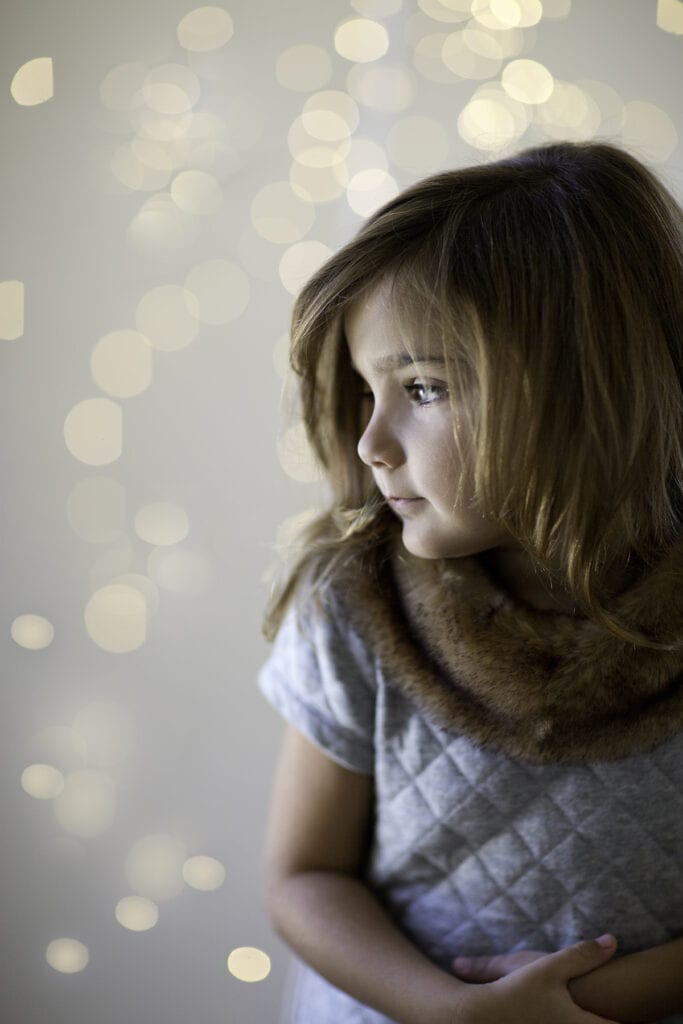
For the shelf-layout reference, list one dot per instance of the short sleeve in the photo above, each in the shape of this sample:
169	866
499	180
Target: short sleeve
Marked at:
320	679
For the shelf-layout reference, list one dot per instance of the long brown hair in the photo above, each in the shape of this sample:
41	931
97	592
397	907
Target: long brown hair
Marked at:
553	281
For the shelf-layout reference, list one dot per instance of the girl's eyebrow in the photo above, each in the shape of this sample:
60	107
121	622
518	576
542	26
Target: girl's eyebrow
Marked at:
394	362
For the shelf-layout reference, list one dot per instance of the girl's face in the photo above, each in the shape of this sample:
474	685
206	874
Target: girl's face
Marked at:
408	439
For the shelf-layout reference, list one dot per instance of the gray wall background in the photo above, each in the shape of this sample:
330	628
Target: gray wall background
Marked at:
170	739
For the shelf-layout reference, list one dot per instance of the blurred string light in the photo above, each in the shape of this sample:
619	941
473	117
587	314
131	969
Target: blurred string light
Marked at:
33	83
86	805
11	310
136	913
670	16
68	956
168	316
303	68
389	89
247	963
185	570
300	261
205	29
116	618
203	873
93	431
121	363
34	632
154	866
361	40
162	523
221	289
42	781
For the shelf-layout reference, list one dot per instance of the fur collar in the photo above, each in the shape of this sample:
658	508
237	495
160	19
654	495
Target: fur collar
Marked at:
543	686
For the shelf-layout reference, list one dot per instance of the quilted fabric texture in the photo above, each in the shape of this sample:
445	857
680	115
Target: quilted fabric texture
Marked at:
476	852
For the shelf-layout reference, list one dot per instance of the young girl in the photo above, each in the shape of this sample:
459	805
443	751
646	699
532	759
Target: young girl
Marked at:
479	651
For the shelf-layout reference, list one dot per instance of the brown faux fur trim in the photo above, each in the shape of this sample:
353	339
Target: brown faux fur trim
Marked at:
543	686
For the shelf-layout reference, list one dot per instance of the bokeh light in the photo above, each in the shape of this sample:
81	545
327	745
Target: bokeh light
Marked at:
205	29
388	89
300	261
162	523
34	632
670	16
85	807
648	131
361	40
93	431
116	618
197	192
222	290
105	732
448	11
143	584
154	866
303	68
368	190
296	456
280	215
249	964
42	781
33	83
473	55
121	84
121	363
527	81
168	316
11	310
136	913
203	873
171	89
68	956
180	570
330	116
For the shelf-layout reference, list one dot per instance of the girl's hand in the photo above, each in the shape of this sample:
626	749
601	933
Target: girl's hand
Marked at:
537	992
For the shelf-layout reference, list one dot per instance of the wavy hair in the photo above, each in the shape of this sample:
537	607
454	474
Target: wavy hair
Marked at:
553	281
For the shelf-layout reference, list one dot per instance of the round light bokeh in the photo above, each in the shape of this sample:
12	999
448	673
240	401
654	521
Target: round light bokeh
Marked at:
248	963
33	632
85	807
136	913
42	781
203	873
11	310
33	83
154	866
116	618
68	956
205	29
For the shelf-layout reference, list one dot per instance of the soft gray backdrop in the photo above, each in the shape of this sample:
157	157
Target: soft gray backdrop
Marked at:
138	529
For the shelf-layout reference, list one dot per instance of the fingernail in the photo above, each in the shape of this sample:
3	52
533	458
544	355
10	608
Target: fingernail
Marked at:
606	940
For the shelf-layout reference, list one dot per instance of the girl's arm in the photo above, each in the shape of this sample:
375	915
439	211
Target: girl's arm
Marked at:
636	988
643	986
319	830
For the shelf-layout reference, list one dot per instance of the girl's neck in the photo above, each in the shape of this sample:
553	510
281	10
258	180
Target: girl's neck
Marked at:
513	570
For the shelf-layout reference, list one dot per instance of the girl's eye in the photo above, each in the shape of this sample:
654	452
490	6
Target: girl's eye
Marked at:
427	394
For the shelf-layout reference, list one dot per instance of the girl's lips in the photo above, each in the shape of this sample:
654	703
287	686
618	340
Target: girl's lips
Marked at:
403	501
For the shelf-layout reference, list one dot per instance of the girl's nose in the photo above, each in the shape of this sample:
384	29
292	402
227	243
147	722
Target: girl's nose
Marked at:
378	445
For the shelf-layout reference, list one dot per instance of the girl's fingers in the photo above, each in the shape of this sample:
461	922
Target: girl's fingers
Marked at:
582	957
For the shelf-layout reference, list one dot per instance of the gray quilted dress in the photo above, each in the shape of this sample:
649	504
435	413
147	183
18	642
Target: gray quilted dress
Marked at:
476	852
